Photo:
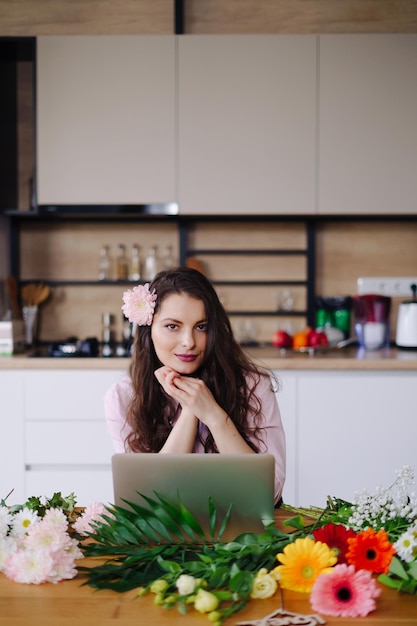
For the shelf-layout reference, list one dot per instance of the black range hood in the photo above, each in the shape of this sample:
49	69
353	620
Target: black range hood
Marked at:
168	208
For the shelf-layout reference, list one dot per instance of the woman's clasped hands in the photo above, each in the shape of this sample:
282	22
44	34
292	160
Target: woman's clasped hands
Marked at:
191	393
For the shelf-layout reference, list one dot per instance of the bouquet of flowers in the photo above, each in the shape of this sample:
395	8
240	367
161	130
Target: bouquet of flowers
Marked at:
339	555
40	539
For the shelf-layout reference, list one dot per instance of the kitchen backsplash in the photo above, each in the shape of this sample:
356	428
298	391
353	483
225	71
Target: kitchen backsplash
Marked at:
344	251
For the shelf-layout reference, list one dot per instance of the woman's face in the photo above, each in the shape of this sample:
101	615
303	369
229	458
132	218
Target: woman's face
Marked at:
179	333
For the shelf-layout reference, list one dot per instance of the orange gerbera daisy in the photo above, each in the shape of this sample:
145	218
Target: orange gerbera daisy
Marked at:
302	562
371	551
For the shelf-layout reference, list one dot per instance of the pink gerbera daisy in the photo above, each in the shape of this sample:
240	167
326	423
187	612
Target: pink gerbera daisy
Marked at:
343	592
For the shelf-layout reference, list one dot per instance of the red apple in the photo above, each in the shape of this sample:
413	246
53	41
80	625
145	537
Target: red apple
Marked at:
281	339
317	338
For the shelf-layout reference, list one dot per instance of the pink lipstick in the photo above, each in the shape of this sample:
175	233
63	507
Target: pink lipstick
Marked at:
186	358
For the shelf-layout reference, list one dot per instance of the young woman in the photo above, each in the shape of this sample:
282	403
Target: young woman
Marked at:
191	387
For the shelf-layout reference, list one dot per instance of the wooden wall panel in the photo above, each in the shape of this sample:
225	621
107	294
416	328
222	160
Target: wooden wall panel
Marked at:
300	16
86	17
348	250
70	250
64	17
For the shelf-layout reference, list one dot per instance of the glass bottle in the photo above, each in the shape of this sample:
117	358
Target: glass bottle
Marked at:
104	264
134	269
151	264
167	258
106	334
122	264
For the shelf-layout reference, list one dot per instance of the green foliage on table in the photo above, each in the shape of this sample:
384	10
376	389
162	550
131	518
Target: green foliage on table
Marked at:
40	504
138	542
401	576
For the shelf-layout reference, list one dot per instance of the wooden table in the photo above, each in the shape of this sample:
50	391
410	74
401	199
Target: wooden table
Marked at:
68	603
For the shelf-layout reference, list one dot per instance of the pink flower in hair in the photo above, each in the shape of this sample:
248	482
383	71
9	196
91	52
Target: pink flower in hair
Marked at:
139	305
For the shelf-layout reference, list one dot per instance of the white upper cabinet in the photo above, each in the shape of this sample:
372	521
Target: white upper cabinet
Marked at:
105	119
368	124
247	124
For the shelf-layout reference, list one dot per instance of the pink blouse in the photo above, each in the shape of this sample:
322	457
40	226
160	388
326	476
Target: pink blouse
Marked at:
117	399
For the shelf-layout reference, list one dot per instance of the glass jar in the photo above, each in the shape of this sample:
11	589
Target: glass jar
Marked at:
151	264
122	264
167	258
134	268
104	264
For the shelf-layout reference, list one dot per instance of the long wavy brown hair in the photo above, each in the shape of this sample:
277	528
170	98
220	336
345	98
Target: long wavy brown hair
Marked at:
227	372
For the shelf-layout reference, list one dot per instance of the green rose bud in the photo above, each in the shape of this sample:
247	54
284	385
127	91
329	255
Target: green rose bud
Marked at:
205	602
215	616
142	591
159	586
159	599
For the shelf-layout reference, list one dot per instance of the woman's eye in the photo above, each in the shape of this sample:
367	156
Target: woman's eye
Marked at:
171	326
202	327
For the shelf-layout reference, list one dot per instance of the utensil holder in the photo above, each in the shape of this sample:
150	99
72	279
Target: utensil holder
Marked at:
29	317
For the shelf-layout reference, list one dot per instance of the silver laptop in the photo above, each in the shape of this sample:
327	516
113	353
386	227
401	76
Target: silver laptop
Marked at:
244	480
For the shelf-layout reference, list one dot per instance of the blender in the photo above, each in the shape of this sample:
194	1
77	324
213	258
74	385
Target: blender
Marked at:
371	319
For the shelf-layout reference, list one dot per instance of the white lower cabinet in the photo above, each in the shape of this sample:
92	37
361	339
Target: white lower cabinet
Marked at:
346	431
90	484
11	436
66	445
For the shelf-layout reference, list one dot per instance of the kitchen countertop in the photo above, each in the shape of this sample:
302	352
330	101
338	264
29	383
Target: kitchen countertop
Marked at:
273	358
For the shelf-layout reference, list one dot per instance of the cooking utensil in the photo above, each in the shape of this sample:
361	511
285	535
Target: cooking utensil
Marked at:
13	292
34	294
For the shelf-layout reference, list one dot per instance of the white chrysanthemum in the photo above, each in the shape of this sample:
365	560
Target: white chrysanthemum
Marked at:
5	521
7	546
406	546
22	520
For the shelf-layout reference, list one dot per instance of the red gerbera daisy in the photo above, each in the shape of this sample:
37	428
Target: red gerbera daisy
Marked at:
335	536
371	551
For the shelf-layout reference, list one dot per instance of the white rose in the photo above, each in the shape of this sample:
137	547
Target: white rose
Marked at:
185	584
264	585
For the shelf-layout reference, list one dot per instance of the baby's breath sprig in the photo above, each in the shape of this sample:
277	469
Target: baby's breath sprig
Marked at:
390	508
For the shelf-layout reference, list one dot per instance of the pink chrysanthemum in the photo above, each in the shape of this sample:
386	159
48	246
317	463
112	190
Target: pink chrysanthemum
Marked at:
29	566
343	592
92	513
139	305
46	535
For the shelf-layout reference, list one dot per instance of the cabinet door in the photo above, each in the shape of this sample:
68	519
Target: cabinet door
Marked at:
105	119
12	465
355	430
66	445
368	124
247	119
